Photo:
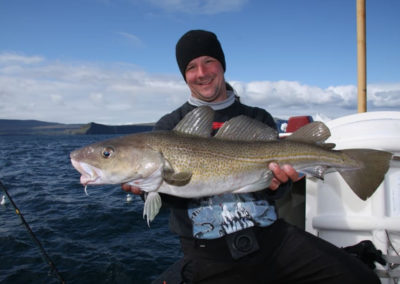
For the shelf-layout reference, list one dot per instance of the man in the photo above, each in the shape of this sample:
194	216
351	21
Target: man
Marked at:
233	238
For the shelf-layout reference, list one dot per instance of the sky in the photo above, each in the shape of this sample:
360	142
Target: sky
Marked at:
113	61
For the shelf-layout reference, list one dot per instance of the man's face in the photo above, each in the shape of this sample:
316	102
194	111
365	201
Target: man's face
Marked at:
205	78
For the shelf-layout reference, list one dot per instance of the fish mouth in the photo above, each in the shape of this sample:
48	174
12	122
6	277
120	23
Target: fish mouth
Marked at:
89	174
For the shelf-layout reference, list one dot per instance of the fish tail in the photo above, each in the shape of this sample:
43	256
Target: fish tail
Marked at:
373	166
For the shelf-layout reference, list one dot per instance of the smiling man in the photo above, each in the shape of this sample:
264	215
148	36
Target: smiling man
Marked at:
204	76
202	64
238	238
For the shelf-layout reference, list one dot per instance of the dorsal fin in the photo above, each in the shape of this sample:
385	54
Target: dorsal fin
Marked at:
315	133
247	129
197	122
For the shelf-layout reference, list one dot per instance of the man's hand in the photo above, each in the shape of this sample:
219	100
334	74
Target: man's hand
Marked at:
282	175
131	189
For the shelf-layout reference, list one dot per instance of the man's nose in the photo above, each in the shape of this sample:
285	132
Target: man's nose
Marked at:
201	70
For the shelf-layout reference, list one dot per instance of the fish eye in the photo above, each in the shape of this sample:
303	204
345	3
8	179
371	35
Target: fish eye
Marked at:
107	152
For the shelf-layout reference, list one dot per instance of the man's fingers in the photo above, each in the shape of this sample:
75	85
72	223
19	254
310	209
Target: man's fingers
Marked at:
279	173
136	190
131	189
291	172
274	184
126	187
282	175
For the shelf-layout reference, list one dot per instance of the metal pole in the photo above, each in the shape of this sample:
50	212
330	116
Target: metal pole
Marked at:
361	57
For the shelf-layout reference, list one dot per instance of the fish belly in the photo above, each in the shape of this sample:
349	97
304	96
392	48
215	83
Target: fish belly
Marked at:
240	182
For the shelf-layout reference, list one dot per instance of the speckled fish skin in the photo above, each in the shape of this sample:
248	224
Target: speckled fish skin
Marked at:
219	166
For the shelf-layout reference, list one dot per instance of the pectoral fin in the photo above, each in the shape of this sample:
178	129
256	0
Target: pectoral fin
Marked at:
152	206
177	179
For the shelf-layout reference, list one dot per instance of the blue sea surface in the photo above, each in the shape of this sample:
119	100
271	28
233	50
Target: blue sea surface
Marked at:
100	238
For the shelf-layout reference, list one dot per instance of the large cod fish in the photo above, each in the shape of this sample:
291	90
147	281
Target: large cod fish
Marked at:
187	162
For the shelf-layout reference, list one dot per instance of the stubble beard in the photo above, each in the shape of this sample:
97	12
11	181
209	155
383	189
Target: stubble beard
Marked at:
216	95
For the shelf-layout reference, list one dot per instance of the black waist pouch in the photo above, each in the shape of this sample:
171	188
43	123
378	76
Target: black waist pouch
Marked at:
242	243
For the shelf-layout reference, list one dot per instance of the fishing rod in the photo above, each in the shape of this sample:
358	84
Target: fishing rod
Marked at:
46	257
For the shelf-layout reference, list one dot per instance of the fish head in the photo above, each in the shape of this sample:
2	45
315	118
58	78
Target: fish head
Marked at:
115	161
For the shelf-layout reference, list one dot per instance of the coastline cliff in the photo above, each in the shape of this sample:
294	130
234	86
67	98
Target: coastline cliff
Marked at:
36	127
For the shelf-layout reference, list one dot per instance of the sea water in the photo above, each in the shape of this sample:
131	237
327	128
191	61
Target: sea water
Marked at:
100	238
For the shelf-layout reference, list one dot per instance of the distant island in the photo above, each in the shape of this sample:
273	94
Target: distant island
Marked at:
37	127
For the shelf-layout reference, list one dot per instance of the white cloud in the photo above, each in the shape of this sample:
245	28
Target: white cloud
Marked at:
118	94
9	58
384	95
80	93
287	98
207	7
96	98
56	99
135	40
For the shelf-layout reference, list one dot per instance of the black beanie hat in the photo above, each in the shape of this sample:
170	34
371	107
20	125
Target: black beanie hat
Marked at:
196	43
